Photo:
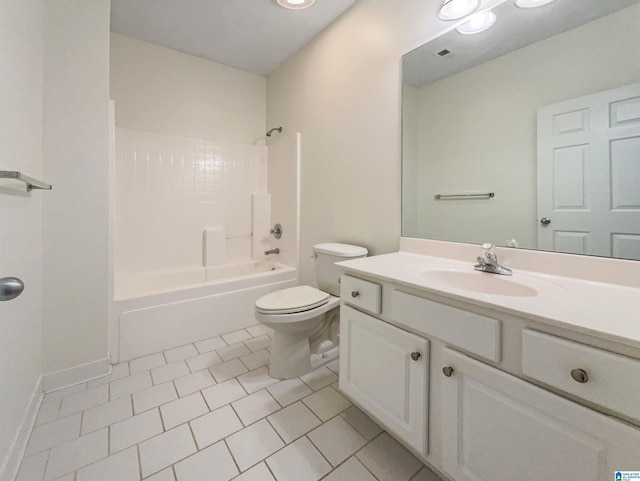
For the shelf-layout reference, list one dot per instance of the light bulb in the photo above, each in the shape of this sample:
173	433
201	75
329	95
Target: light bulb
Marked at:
456	9
532	3
477	23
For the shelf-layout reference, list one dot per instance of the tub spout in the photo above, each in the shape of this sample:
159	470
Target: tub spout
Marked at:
272	251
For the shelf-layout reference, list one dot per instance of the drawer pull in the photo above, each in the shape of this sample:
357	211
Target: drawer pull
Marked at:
580	375
415	356
355	293
447	371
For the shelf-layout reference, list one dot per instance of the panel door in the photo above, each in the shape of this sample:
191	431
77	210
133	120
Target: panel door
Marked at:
378	372
497	427
589	174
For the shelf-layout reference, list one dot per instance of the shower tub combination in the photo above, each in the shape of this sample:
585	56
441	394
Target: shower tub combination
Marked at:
163	310
183	201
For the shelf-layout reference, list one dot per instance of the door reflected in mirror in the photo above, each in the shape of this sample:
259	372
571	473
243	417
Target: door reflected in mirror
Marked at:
543	111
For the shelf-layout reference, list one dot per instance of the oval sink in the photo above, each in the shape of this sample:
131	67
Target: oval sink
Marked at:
480	282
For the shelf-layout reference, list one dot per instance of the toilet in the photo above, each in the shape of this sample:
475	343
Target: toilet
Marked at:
306	320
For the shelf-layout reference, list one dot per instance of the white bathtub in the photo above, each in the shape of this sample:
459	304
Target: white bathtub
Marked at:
163	310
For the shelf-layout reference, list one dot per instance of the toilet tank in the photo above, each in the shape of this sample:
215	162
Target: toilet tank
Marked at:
327	274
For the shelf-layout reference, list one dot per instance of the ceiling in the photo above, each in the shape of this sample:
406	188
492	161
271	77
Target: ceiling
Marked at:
514	28
252	35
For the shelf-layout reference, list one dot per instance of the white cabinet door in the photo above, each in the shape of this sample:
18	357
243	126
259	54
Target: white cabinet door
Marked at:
377	371
500	428
588	174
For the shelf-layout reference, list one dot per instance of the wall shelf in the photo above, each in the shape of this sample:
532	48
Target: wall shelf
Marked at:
30	182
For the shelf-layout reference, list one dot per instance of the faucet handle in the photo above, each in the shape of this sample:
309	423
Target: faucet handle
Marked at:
488	251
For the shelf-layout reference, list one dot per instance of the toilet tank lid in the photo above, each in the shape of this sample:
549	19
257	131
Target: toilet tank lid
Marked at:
340	250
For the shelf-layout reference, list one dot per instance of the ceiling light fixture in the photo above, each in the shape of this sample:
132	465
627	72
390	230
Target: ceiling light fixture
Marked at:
456	9
532	3
295	4
477	23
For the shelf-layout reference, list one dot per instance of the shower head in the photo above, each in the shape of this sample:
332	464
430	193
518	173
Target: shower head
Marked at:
279	129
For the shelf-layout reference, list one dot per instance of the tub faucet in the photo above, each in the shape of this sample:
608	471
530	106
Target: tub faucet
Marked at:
488	262
272	251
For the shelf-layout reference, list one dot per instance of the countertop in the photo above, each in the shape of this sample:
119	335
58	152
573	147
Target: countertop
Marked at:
604	310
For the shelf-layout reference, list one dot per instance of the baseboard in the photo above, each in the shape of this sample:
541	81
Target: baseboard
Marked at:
11	464
82	373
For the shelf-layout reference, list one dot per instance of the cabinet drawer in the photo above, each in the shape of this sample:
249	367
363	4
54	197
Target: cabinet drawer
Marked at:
472	332
363	294
611	380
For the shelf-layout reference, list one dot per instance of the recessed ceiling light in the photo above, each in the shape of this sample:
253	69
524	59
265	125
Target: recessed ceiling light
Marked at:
532	3
477	23
295	4
456	9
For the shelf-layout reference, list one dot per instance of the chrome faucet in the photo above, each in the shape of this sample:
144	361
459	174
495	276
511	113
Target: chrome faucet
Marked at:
272	251
488	262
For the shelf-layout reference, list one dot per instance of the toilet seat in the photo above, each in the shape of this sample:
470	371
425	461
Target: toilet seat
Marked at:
292	300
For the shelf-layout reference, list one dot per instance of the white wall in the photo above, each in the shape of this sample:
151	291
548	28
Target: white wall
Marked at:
464	122
157	89
21	33
75	153
343	93
410	152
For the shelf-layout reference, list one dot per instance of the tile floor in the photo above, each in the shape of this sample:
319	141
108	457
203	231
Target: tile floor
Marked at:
209	411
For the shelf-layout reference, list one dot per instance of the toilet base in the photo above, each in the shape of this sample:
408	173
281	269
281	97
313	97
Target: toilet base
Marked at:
291	356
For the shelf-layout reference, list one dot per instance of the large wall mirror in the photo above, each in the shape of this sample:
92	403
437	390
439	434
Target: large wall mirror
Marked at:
528	134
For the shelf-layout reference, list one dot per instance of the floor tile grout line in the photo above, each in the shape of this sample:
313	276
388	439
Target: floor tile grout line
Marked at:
164	428
139	460
164	467
233	458
363	463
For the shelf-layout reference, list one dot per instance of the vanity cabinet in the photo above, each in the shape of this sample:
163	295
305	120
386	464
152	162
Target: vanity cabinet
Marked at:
490	385
385	370
500	428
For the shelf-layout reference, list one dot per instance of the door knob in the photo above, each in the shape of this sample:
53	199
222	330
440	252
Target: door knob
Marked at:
355	293
415	356
545	221
447	371
10	288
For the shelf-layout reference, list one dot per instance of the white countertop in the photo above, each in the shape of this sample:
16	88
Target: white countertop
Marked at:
604	310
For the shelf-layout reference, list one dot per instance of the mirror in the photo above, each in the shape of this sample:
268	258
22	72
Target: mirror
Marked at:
528	134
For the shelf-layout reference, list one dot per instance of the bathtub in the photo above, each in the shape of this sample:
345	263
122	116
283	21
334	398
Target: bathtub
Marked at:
167	309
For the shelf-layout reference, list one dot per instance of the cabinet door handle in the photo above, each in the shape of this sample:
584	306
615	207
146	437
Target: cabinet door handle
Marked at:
580	375
447	371
415	356
355	293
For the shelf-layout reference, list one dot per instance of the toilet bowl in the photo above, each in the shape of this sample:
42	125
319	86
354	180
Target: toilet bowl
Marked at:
305	320
302	318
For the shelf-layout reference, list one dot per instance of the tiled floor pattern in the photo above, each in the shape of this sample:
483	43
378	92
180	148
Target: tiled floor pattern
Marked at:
209	411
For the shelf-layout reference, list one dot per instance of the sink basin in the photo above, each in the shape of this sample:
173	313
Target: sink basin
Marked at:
480	282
